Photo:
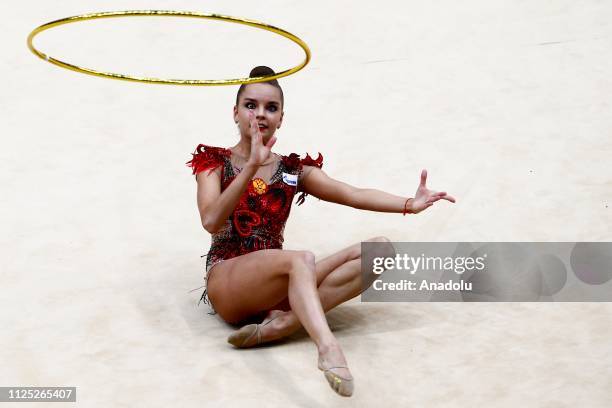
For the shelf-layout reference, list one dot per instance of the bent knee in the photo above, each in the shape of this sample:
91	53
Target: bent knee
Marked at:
306	257
384	248
379	239
302	258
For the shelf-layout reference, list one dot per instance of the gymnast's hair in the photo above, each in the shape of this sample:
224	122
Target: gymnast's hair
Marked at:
262	70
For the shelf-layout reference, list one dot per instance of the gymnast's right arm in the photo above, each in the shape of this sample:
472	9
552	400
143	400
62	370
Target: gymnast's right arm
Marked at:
215	207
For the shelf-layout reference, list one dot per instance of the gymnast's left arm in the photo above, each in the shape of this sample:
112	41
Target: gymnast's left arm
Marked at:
320	185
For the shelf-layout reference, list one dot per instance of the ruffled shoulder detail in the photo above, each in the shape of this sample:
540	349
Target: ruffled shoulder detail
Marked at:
207	158
291	162
308	161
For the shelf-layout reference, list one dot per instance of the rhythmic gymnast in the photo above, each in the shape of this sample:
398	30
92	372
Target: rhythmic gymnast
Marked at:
244	199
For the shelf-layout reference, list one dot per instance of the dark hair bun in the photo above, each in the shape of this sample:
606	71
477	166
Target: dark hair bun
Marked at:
261	70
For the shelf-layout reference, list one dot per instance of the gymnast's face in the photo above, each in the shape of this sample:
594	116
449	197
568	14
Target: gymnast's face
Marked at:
264	101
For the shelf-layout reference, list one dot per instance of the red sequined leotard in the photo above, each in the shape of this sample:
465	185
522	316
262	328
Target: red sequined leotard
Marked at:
258	221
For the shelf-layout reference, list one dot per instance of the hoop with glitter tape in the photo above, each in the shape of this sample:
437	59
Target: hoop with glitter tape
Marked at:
168	13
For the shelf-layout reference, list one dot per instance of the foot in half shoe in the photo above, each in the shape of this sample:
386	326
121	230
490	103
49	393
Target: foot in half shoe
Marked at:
336	372
252	335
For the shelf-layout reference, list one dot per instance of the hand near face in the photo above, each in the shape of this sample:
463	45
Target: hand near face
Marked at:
424	198
259	151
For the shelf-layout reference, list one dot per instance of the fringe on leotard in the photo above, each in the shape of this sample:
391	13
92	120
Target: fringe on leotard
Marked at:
309	161
204	296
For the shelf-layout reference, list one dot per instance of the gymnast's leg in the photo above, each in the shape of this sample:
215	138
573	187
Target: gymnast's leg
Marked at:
245	285
339	279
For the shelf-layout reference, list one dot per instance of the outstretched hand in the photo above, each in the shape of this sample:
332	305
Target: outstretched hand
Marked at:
424	198
259	151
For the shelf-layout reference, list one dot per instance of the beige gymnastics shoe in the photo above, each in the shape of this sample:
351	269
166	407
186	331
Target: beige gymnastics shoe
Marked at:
343	386
249	335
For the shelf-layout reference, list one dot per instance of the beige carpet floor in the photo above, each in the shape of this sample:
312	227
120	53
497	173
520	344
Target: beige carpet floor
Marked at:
506	103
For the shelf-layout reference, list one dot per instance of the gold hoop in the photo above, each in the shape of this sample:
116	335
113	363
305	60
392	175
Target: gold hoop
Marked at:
166	13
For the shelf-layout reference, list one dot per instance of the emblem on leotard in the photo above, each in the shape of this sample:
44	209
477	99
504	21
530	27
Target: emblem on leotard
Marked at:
290	179
260	186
